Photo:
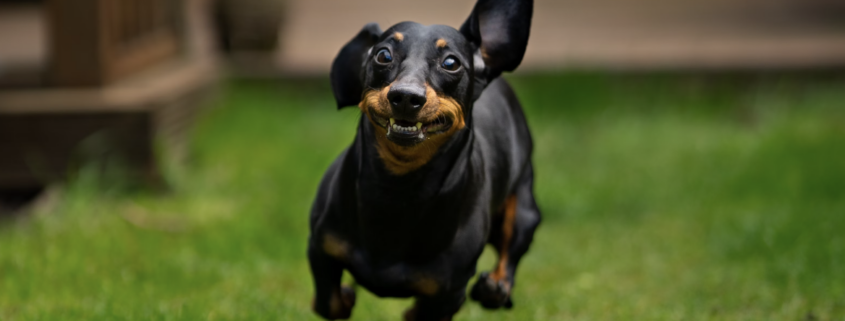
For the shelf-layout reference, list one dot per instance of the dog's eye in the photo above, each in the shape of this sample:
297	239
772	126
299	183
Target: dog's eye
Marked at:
450	63
384	57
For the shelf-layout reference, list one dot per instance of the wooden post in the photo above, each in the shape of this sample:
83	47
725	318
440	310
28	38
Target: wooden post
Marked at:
95	42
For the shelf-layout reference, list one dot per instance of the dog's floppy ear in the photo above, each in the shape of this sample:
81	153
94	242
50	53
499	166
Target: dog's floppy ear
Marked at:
346	69
499	29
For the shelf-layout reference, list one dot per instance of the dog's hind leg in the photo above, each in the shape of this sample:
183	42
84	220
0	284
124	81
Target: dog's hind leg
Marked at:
512	232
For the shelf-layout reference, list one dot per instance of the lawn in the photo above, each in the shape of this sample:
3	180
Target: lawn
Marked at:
665	197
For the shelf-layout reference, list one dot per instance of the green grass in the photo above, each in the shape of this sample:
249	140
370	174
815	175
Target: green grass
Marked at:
665	198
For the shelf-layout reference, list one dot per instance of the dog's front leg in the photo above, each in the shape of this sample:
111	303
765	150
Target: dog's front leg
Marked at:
331	300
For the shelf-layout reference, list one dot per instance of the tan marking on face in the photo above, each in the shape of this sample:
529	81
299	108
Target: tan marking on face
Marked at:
335	246
398	36
507	235
441	43
401	160
425	285
484	54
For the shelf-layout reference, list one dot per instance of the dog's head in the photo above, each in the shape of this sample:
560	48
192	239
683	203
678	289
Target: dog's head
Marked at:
416	84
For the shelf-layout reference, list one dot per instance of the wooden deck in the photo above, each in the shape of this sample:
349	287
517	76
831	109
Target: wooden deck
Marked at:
604	34
46	129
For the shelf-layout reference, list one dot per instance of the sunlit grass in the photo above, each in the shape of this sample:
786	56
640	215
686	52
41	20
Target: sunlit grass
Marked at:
665	198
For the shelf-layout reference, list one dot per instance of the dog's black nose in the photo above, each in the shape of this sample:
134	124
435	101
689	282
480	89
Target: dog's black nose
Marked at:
406	100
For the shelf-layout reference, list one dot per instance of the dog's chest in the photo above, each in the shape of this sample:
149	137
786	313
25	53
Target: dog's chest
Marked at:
404	217
394	278
408	233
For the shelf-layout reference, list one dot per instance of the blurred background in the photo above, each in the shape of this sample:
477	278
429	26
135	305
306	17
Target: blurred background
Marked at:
158	158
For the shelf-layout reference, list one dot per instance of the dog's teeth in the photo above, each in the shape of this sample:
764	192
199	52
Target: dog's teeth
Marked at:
394	127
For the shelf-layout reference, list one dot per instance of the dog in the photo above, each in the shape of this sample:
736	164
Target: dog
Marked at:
440	166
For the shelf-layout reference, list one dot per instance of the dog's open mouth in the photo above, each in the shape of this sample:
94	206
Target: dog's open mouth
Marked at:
409	133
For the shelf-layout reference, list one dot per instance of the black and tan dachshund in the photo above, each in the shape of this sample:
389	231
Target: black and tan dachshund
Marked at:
440	165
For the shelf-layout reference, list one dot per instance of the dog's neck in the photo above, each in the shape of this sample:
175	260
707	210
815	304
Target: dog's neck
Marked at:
424	204
427	181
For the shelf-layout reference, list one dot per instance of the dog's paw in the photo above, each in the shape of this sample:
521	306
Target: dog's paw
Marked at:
410	314
492	293
347	297
340	305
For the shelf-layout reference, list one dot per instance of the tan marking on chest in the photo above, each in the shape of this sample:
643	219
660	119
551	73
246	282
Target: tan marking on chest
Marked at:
335	246
425	285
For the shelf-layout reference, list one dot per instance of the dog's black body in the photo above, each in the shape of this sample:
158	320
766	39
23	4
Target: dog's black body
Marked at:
408	211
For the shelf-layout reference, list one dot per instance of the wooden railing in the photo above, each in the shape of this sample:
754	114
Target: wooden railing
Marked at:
96	42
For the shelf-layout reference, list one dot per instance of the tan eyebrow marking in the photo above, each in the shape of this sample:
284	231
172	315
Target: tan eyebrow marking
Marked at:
441	43
398	36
